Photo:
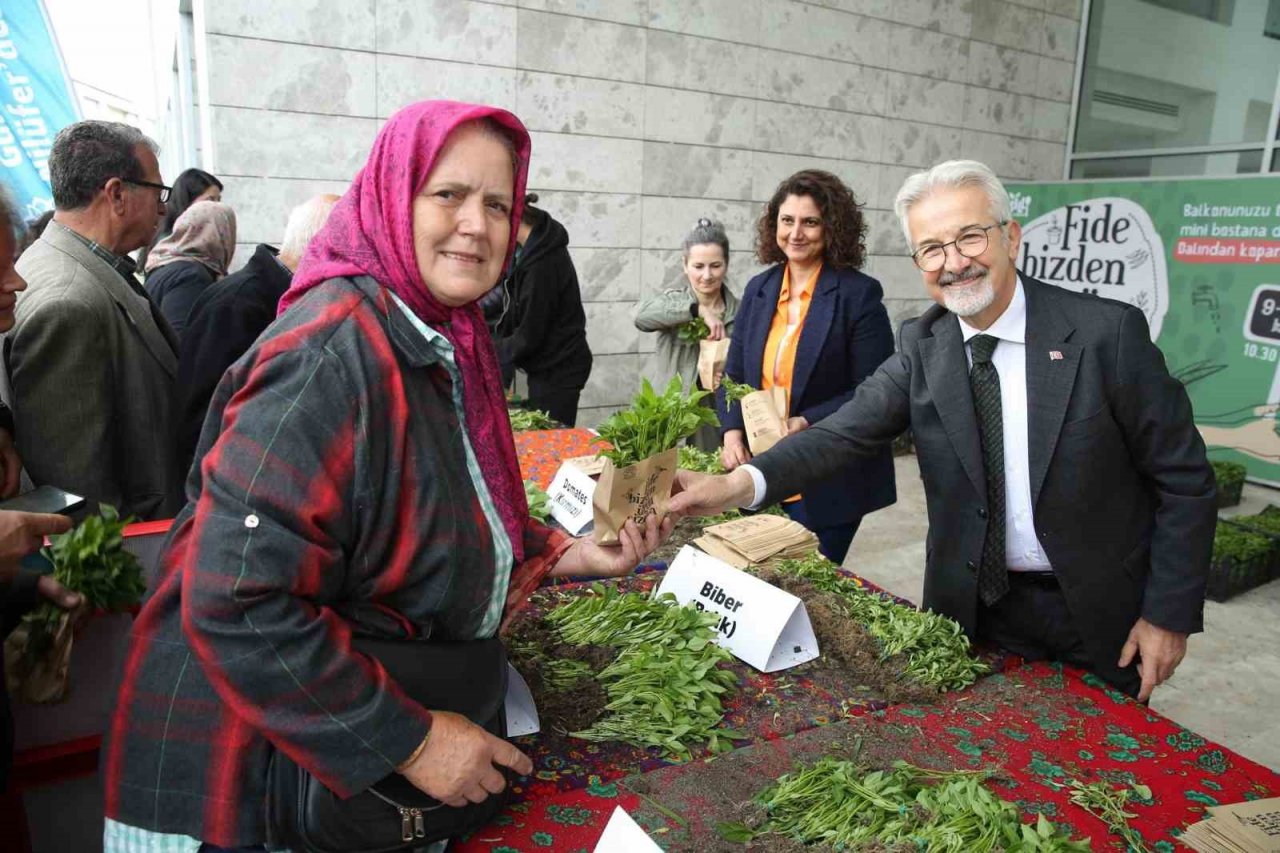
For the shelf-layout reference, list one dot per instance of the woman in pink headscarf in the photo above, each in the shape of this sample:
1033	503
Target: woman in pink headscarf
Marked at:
356	476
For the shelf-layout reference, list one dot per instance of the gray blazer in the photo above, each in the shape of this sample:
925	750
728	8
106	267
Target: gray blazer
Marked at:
91	375
1123	496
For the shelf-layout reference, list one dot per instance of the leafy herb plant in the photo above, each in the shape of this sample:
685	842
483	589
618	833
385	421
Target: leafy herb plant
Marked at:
693	331
734	391
539	504
1107	804
666	684
654	423
529	419
705	461
91	560
840	804
935	646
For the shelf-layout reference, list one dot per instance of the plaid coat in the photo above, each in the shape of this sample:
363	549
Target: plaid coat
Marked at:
333	492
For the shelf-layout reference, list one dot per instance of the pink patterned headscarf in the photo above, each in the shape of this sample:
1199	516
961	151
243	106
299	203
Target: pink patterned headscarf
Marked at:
205	233
370	232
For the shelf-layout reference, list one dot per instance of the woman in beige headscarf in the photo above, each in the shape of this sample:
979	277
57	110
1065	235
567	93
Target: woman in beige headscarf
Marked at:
190	259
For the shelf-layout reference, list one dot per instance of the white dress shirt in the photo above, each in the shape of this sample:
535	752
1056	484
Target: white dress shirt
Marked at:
1022	549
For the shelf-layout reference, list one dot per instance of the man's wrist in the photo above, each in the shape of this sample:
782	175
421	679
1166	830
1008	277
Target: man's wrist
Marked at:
749	491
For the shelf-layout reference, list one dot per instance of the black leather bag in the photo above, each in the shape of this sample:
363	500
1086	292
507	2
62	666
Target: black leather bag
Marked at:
466	678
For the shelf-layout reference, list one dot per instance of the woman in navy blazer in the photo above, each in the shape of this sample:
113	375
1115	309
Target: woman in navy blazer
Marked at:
813	226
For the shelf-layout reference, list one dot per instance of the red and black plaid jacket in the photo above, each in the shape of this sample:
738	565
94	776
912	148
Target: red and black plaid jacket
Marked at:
333	491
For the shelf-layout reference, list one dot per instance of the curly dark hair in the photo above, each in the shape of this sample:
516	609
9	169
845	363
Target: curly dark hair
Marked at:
844	228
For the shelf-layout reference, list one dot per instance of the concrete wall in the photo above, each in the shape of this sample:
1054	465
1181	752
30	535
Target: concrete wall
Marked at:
647	114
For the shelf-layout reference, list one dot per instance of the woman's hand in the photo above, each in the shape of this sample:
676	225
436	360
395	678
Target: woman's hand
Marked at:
715	325
457	764
734	452
796	424
587	557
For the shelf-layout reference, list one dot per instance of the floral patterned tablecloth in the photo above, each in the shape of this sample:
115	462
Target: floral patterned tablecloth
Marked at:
542	451
1039	725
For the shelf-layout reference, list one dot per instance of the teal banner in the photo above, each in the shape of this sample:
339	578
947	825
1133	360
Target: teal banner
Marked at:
1201	258
36	101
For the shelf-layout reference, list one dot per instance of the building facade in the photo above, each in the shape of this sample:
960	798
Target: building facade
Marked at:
645	115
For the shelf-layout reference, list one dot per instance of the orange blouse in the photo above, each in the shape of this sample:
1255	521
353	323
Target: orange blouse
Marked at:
784	334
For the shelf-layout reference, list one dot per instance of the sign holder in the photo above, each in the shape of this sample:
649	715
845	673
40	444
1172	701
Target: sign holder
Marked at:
761	624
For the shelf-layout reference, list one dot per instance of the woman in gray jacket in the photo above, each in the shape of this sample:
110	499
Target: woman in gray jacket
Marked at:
706	262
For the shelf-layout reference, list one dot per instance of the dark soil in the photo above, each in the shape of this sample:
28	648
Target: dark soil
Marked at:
577	707
687	530
849	645
702	795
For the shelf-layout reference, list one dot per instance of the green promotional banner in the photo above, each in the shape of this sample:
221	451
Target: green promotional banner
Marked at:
1201	258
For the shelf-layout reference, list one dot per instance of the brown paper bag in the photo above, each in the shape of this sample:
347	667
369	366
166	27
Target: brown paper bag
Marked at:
711	359
48	678
718	549
632	492
764	416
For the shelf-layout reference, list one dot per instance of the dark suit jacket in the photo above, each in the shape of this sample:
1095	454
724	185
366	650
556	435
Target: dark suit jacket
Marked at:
224	322
1123	496
175	287
846	336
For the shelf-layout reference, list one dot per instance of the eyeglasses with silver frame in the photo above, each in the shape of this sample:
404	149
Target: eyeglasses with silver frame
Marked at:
971	243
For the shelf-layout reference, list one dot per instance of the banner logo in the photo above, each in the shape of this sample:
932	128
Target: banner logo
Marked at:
1104	246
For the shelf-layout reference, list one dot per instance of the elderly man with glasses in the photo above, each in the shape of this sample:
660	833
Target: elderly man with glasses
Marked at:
90	361
1071	506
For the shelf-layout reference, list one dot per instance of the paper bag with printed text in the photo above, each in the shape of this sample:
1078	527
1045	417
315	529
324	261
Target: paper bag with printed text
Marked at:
632	492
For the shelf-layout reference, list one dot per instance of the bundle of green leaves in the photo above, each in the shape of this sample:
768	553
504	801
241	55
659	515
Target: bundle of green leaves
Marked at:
666	684
529	419
1109	805
838	803
539	504
734	391
91	560
705	461
654	423
693	331
935	646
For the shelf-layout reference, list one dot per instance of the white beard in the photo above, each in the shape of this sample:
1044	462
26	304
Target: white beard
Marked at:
969	299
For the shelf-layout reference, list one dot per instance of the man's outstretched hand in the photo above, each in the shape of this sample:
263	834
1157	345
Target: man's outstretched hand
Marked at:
708	494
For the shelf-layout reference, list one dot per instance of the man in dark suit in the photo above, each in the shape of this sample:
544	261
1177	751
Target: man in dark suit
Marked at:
1071	506
227	318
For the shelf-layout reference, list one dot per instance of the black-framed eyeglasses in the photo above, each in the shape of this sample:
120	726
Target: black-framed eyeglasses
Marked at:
972	242
164	191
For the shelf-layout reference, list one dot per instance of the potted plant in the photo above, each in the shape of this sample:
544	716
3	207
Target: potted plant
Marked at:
91	560
641	463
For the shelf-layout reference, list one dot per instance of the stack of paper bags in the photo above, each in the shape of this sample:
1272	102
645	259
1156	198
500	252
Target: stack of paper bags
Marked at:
757	539
1238	828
